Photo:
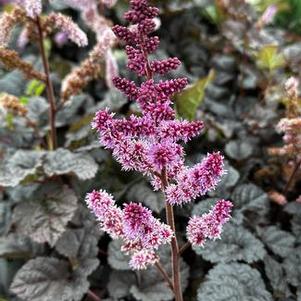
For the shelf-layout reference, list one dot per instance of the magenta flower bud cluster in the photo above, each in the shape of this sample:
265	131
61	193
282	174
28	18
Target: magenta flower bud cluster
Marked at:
208	225
141	233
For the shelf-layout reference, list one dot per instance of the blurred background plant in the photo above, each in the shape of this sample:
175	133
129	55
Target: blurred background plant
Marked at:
238	55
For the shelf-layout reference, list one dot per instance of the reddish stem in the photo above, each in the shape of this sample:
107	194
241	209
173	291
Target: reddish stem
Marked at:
297	166
164	274
93	296
184	248
175	255
49	88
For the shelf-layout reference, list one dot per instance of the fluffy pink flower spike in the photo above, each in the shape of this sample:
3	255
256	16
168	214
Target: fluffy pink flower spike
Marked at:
209	225
135	225
153	145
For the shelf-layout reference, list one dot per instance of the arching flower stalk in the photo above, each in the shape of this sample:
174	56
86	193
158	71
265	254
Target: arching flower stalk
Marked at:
153	145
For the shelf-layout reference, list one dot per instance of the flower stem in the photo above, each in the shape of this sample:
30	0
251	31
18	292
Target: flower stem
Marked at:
175	256
49	88
164	274
184	248
93	296
297	166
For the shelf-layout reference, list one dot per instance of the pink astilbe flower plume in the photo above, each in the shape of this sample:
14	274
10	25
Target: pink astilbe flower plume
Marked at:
141	233
152	143
67	26
196	181
208	225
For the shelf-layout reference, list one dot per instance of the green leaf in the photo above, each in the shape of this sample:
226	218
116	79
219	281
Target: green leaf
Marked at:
236	244
35	88
45	218
188	101
269	58
233	282
62	161
279	241
49	279
9	120
24	100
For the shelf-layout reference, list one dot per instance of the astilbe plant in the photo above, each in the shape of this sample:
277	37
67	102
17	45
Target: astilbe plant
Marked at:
290	126
90	68
153	145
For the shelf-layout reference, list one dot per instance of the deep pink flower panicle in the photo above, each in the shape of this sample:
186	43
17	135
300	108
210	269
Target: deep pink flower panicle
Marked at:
151	44
196	181
209	225
196	230
170	87
141	233
146	26
178	130
124	34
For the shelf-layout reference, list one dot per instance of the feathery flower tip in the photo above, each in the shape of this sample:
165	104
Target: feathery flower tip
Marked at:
66	25
101	118
208	225
196	181
99	202
143	258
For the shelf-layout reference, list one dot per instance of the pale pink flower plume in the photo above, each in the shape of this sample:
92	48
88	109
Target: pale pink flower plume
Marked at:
66	25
